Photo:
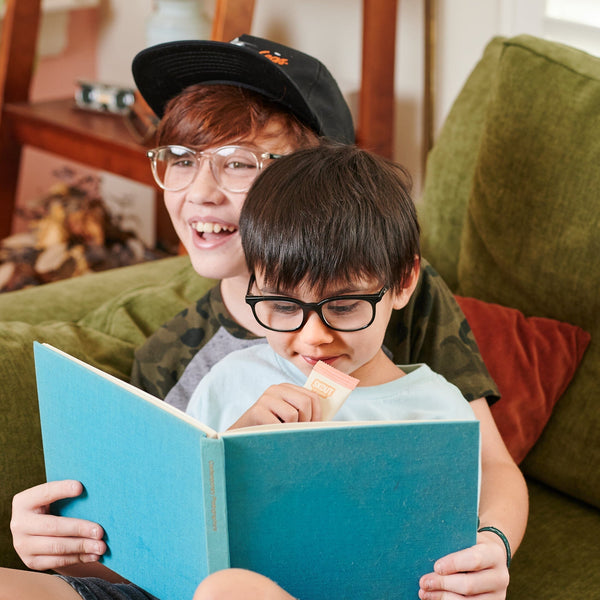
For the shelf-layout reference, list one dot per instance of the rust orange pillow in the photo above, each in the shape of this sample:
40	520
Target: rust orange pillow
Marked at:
531	359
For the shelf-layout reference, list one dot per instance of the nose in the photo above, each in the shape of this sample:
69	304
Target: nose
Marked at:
204	189
315	332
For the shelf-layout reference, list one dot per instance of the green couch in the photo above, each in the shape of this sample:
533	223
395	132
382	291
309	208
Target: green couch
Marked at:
509	214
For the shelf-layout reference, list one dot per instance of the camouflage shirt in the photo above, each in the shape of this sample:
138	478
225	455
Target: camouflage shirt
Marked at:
431	329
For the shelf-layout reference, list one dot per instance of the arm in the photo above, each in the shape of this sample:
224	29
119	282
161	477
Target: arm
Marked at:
282	403
481	571
44	541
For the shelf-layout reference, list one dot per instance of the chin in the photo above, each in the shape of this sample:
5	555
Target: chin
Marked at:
215	268
301	365
206	270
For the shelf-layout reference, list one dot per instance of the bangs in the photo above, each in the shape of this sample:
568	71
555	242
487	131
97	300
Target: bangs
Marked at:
212	115
293	258
328	216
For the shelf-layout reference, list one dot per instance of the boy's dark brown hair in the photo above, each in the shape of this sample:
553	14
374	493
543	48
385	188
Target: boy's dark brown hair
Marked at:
211	115
331	213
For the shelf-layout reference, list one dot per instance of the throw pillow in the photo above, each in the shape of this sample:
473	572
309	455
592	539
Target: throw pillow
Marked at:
531	359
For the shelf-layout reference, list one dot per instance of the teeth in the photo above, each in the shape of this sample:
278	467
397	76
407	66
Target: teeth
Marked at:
201	227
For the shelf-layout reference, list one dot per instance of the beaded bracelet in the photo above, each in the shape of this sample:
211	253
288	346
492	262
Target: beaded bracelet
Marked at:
504	541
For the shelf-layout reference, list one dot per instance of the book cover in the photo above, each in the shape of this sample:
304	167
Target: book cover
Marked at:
327	510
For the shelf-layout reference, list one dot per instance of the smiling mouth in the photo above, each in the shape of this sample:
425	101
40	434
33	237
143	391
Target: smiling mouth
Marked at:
211	231
218	228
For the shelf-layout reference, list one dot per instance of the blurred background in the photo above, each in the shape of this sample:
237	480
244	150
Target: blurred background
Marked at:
97	39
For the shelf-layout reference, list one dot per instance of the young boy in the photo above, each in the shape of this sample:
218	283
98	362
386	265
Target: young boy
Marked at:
331	240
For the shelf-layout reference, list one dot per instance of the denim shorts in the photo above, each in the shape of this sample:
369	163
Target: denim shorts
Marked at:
93	588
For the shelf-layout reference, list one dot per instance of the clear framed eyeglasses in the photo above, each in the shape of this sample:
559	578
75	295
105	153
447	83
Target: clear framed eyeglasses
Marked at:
233	167
341	313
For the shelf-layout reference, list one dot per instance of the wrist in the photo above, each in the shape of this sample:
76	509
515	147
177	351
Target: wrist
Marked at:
503	538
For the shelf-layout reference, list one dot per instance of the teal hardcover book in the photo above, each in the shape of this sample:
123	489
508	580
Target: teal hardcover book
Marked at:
327	510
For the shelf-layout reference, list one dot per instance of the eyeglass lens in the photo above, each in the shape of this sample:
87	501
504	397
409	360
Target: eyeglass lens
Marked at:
233	168
343	314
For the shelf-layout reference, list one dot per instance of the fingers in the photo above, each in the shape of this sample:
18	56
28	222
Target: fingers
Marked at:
476	572
44	541
282	403
291	403
476	558
50	526
460	585
44	553
39	498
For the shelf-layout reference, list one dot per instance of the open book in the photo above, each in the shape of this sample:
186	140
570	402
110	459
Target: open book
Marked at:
327	510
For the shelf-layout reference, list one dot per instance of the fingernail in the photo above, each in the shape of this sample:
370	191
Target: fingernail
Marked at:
440	567
426	584
88	558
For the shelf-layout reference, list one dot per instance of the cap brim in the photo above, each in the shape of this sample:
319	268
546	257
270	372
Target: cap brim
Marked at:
162	72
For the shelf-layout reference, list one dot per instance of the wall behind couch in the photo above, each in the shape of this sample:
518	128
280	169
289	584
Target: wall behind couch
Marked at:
331	30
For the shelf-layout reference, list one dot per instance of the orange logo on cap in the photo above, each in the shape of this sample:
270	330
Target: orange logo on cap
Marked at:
278	60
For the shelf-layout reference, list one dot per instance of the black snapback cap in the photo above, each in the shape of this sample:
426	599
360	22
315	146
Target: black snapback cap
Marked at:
297	81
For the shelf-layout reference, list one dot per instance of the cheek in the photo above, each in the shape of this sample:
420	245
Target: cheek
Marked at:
173	202
372	337
236	201
362	343
280	342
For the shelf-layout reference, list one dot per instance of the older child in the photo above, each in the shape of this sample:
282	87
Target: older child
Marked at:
266	107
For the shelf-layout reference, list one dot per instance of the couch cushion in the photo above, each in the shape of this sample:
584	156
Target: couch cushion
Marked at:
71	299
531	239
558	558
450	167
531	359
111	326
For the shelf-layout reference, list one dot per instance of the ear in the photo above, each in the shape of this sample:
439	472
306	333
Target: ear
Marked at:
401	298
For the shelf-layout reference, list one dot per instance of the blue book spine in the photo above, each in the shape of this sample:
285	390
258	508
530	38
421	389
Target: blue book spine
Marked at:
215	504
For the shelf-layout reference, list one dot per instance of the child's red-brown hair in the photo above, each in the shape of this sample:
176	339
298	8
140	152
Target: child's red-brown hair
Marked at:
211	115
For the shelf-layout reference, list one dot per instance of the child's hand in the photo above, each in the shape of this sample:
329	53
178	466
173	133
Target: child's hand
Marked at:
476	572
44	541
282	403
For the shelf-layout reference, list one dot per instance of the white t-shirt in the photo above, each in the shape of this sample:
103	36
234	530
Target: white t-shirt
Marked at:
236	382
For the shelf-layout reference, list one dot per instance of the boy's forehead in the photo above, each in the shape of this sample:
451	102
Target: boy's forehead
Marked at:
272	136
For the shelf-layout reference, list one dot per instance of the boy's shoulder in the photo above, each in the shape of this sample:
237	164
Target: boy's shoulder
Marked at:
161	360
259	358
257	353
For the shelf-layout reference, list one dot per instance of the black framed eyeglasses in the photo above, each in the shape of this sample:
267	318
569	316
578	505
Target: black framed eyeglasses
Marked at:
351	312
233	167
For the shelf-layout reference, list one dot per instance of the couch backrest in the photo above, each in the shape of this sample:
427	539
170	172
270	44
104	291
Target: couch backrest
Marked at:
511	214
451	165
